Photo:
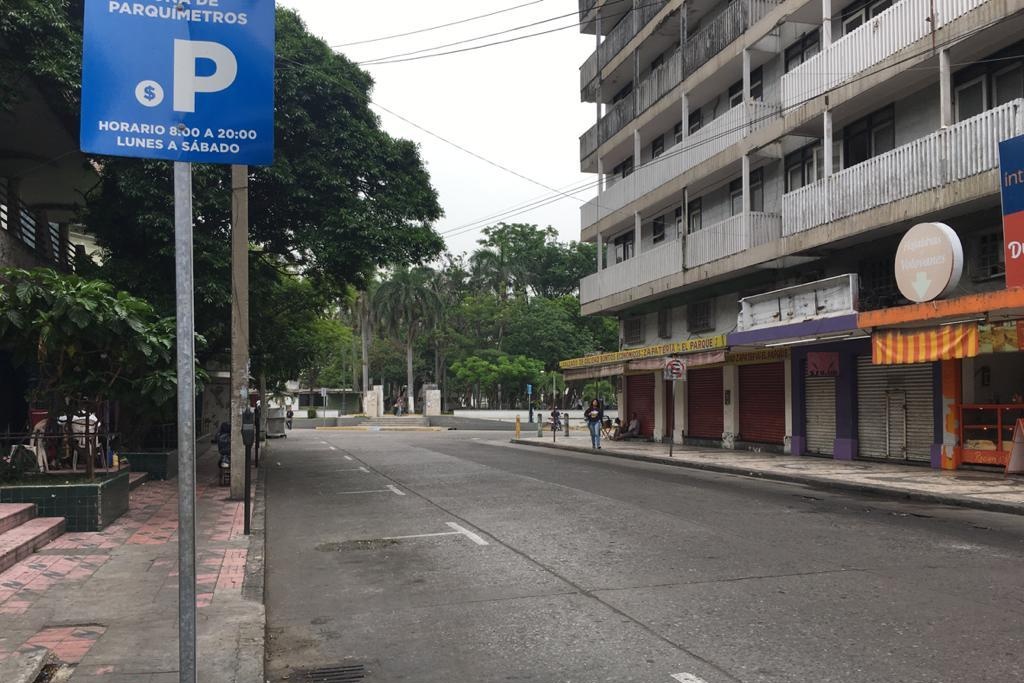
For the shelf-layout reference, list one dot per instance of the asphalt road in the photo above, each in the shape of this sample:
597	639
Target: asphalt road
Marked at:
456	558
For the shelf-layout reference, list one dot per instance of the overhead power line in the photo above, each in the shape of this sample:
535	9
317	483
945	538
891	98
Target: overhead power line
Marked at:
439	26
559	194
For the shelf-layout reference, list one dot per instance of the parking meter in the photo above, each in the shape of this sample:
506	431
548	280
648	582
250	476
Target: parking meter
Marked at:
248	427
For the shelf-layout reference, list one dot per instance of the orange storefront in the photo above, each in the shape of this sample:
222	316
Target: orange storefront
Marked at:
977	342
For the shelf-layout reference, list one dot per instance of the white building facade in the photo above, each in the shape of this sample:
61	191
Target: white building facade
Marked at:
768	155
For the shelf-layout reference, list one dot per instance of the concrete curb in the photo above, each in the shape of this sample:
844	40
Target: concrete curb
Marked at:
254	581
22	667
381	429
819	482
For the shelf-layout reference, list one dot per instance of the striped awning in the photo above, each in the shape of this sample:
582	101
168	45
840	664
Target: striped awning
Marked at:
898	347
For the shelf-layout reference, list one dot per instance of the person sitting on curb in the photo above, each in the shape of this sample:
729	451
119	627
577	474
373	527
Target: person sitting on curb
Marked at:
633	431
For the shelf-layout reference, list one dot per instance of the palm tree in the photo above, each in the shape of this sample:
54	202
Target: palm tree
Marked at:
405	305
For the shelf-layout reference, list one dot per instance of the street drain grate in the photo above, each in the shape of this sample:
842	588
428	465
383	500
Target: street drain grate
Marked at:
334	674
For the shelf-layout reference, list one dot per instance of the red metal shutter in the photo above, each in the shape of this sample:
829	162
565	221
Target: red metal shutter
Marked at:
704	415
640	400
763	403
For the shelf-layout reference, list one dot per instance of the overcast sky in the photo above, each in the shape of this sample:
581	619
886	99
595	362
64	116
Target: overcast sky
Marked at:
516	104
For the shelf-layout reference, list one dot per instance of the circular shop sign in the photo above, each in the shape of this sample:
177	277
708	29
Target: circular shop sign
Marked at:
929	262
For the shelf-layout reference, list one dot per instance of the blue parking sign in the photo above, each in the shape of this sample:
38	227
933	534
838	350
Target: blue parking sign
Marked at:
183	80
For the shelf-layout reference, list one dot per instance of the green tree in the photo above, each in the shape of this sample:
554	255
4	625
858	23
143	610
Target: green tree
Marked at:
406	306
341	200
87	342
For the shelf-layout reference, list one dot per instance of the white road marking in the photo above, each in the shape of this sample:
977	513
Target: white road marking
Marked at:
395	490
349	493
467	533
354	469
688	678
348	457
440	533
332	448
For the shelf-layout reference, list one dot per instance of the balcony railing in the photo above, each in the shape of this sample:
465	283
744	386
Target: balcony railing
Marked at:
894	29
729	237
721	31
712	139
585	7
661	261
725	28
44	241
632	22
946	156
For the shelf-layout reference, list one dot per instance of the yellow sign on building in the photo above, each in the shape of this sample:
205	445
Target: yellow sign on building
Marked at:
687	346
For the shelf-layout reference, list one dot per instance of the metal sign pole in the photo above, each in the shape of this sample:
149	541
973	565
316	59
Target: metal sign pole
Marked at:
186	423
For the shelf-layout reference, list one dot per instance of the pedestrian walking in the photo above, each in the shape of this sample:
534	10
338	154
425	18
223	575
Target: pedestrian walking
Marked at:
289	416
595	417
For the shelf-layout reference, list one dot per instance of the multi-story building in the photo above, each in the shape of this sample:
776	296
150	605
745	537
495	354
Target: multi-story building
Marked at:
757	163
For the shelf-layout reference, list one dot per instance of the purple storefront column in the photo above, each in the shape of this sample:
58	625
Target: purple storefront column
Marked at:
799	401
846	402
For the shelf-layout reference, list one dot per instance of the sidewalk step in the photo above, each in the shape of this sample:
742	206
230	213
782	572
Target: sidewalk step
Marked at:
137	479
22	541
15	514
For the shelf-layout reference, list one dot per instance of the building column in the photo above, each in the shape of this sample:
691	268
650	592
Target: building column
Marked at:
600	252
788	439
637	225
746	201
679	393
746	75
659	407
945	90
636	149
65	261
846	446
731	405
826	153
44	245
826	24
951	398
14	206
600	177
685	107
796	410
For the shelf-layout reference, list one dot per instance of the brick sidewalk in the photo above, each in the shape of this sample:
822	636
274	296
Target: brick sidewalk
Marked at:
963	488
107	601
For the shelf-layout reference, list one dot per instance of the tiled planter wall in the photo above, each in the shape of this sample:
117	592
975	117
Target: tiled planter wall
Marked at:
85	506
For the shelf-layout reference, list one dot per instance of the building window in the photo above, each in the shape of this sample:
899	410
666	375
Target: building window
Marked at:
1008	84
990	260
679	221
869	137
625	247
665	323
677	132
804	166
633	331
805	47
878	287
658	230
756	193
624	169
736	197
693	216
856	15
658	147
694	122
971	98
756	88
700	317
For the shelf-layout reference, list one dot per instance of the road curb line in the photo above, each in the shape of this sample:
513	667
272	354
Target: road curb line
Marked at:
888	492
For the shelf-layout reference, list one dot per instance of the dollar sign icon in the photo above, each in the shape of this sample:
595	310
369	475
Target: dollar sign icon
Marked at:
149	93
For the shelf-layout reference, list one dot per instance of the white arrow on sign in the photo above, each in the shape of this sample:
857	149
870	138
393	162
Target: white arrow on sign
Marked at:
922	283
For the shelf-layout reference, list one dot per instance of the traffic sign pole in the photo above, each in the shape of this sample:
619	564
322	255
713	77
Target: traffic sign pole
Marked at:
186	423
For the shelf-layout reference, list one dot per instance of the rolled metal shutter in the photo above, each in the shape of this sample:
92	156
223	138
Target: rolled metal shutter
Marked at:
640	400
820	402
705	418
895	410
763	403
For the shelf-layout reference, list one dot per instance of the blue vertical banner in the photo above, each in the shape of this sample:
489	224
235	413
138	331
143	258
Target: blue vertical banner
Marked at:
1011	181
182	80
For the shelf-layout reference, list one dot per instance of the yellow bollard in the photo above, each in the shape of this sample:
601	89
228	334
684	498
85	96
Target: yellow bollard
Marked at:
517	427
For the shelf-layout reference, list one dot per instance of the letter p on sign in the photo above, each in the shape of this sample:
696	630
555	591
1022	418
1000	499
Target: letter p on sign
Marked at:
187	83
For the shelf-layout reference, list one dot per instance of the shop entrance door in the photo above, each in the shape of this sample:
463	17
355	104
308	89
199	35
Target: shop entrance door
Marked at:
896	424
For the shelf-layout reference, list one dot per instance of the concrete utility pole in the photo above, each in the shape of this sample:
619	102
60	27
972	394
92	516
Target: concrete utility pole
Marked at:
239	322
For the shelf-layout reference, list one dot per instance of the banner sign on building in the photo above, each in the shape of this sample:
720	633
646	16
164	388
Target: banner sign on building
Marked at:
688	346
1011	174
182	81
822	364
898	347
